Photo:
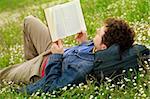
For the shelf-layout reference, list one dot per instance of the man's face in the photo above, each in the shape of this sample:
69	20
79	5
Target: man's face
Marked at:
98	38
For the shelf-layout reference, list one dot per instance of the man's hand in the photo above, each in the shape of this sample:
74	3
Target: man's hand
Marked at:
57	47
81	37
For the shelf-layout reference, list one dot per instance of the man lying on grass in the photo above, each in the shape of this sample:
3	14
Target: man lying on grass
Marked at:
56	67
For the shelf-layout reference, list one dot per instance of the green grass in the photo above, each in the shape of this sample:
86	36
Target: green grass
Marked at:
8	5
136	12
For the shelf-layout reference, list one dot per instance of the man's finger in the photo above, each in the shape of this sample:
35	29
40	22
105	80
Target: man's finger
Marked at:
60	44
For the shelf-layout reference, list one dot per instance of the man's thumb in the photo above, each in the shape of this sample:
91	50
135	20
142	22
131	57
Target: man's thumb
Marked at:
60	44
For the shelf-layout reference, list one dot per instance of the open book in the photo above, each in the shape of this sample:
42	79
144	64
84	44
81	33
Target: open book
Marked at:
65	20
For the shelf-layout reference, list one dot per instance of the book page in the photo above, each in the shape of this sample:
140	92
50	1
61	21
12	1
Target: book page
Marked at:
59	22
80	14
49	14
71	19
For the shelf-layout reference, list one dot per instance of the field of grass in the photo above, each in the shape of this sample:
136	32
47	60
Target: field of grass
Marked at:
136	12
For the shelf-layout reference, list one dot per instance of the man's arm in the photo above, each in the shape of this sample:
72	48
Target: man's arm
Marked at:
56	78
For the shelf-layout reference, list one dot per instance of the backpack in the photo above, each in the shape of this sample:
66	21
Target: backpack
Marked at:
111	62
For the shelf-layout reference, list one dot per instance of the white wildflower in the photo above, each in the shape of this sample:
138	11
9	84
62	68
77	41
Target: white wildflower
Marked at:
142	92
143	95
85	86
130	69
141	75
108	79
43	94
112	85
135	87
77	87
140	69
69	85
133	80
54	92
144	37
135	77
139	94
80	85
71	88
122	86
144	84
95	97
125	92
91	97
53	96
123	71
111	89
134	84
109	97
74	85
127	80
64	88
107	88
96	87
37	93
140	86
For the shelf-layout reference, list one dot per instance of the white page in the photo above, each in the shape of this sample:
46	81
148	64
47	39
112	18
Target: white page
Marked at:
71	19
59	22
80	13
50	20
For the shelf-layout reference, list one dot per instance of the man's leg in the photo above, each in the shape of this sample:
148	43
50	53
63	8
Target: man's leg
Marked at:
36	37
36	41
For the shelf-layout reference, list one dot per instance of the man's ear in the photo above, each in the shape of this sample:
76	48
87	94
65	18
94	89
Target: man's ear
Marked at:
103	46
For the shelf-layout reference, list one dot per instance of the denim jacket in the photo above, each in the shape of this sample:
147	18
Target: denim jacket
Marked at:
69	68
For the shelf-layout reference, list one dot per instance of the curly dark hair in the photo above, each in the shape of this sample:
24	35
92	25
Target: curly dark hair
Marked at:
118	31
